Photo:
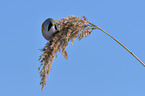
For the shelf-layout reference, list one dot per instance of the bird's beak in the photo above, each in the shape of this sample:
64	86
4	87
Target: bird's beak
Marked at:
53	24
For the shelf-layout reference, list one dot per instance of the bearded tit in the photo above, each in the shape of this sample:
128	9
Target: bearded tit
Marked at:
49	28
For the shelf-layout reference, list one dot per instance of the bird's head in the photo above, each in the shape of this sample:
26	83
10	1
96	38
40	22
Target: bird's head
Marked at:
49	27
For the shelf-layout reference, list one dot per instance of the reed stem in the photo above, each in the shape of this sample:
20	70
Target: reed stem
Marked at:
119	43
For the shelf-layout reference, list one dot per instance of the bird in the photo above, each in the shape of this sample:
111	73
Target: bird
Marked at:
49	28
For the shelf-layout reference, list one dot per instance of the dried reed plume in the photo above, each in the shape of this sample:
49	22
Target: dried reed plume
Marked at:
69	29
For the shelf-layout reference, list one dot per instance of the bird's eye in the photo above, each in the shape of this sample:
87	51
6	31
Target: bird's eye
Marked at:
55	27
49	26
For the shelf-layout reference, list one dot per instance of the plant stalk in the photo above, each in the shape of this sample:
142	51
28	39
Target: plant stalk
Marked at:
119	43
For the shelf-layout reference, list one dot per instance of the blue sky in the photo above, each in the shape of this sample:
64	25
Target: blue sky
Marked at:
96	65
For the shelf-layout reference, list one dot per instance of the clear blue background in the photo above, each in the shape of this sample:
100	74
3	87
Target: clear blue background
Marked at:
97	65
